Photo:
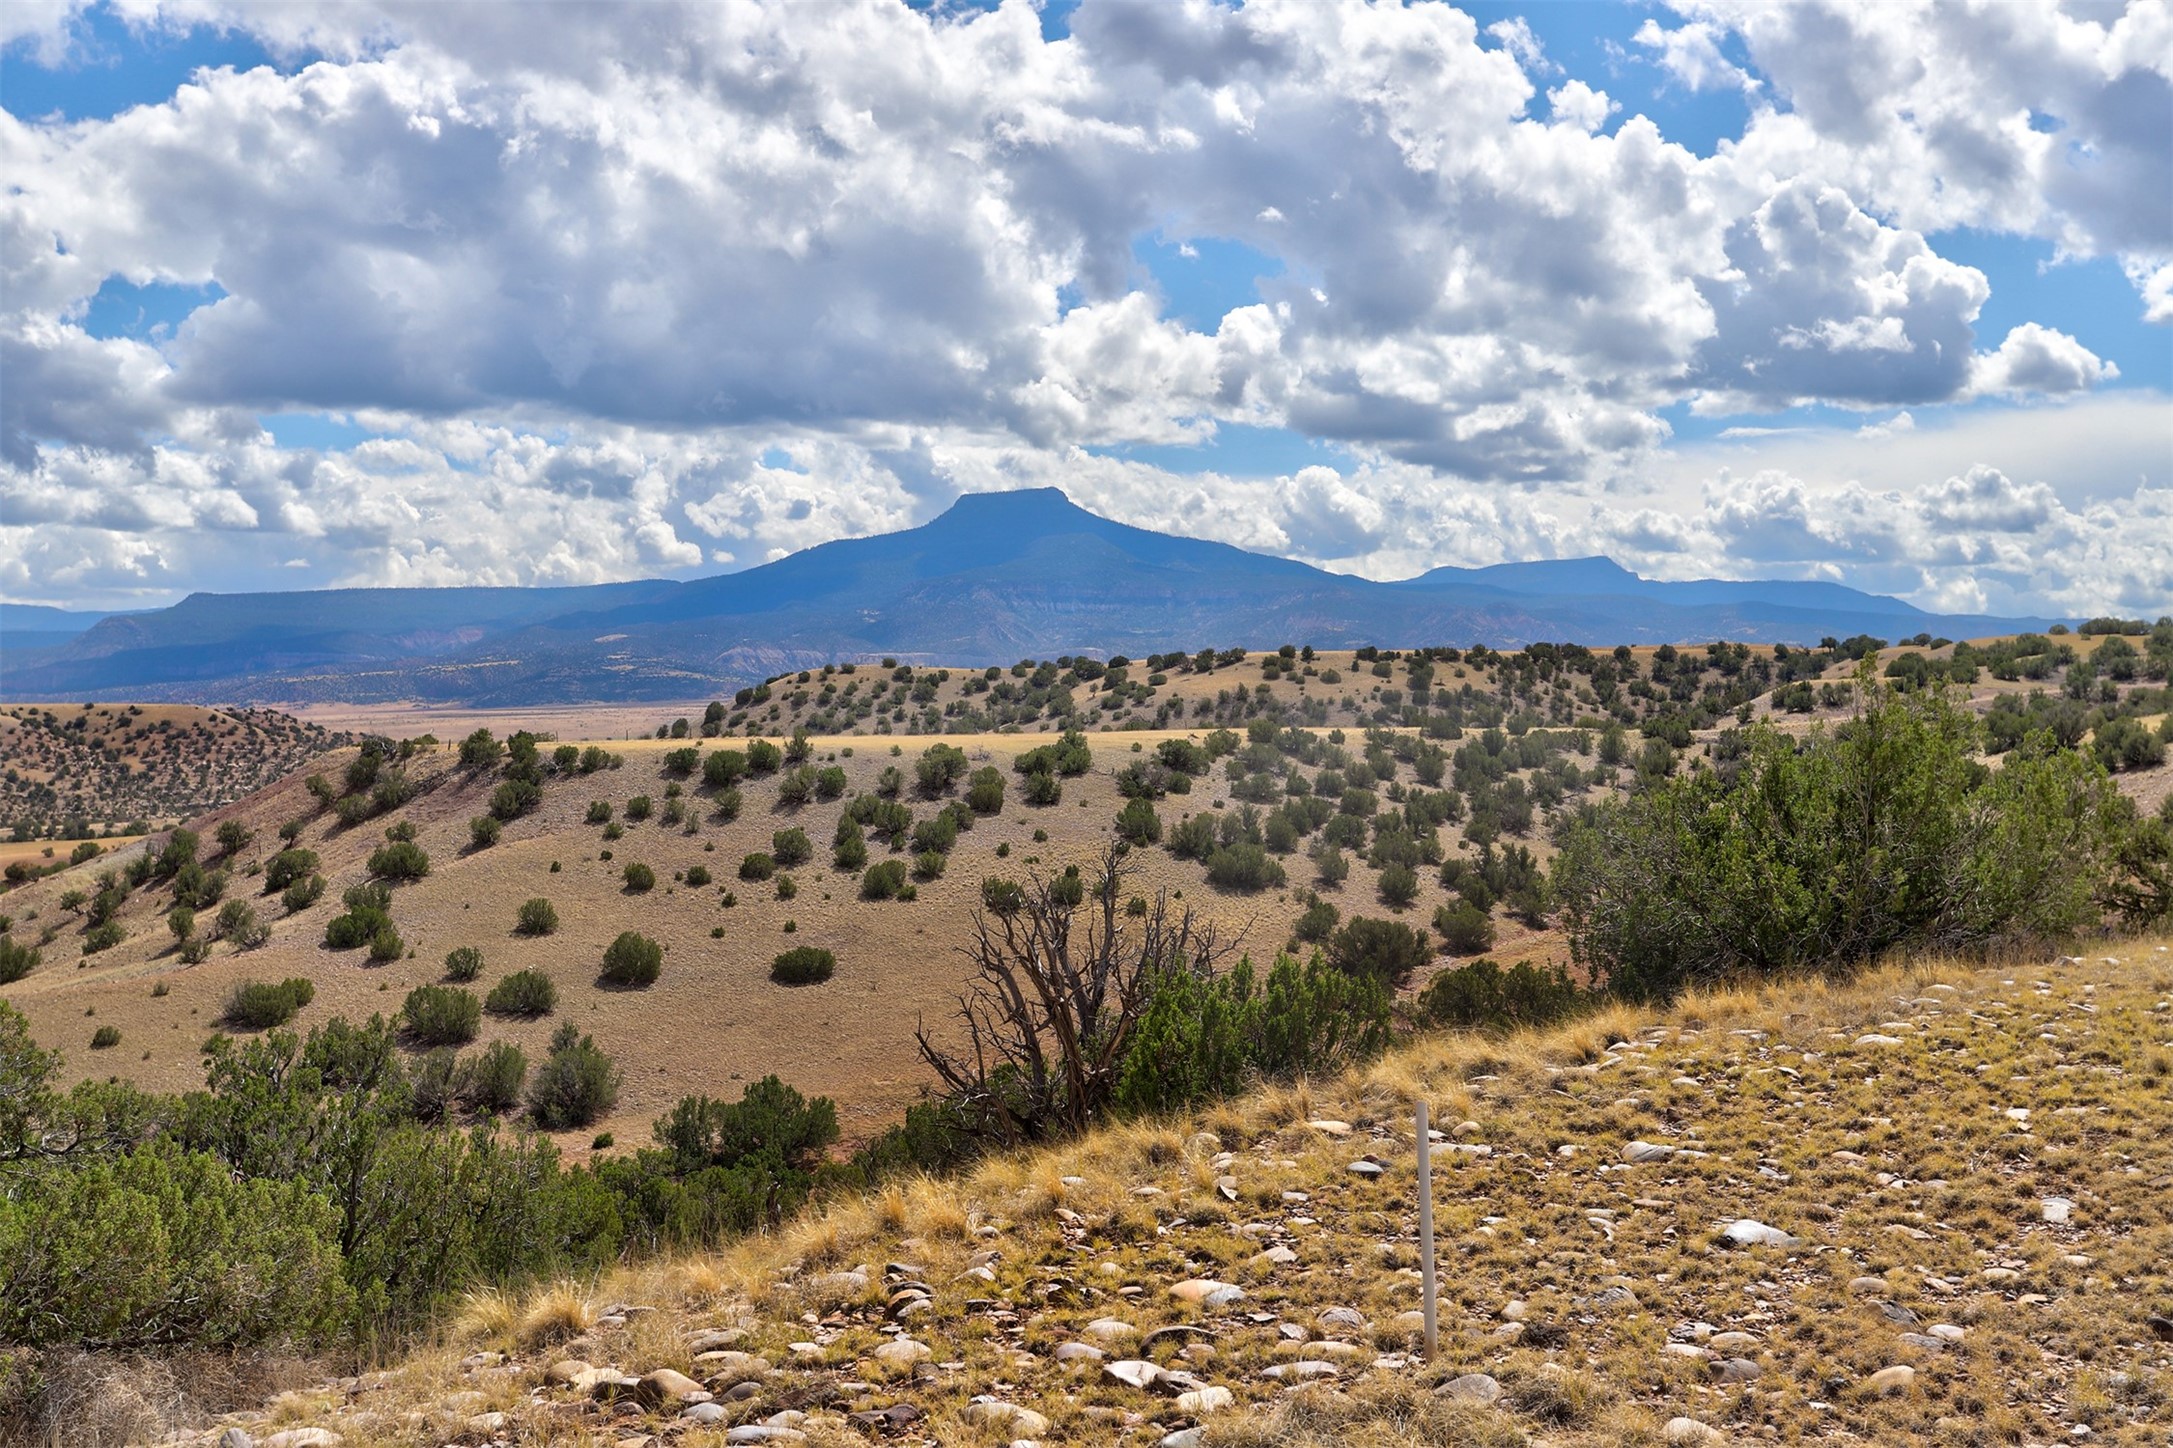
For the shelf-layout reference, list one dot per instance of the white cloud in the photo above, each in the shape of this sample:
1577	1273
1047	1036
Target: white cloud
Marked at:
583	266
1691	54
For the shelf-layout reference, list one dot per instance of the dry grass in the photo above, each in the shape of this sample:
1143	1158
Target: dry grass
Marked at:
1899	1167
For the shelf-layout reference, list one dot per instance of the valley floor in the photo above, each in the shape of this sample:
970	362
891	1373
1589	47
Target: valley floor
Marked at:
1967	1173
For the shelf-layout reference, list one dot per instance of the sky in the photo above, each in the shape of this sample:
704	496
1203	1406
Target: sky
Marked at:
307	295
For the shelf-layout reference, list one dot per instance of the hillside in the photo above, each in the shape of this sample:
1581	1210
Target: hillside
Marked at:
1995	1270
68	770
1467	794
996	577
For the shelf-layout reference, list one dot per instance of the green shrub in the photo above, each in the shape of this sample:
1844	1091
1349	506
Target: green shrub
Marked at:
1201	1037
637	808
1244	867
195	950
724	768
105	1038
386	945
1138	823
787	887
599	812
763	757
1483	996
850	849
884	881
302	893
103	937
254	1005
288	866
791	847
757	866
463	963
1044	789
527	993
157	1247
1398	886
1465	929
181	922
1317	922
483	831
399	860
632	960
368	908
929	864
575	1084
537	916
1387	949
1828	850
803	965
697	876
514	798
441	1015
238	922
16	959
985	791
639	878
490	1081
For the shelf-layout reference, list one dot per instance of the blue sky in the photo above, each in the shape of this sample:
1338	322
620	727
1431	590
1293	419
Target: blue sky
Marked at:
1378	287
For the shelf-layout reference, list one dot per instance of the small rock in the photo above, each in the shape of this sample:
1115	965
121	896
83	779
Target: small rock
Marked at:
1946	1332
903	1352
1890	1380
1184	1438
1300	1372
1638	1153
1077	1352
706	1413
764	1433
1366	1166
1109	1329
2056	1209
1132	1372
1024	1422
1873	1038
235	1438
1747	1233
301	1438
1739	1370
668	1386
1350	1319
1473	1388
1331	1128
1206	1292
1924	1340
1202	1401
1688	1433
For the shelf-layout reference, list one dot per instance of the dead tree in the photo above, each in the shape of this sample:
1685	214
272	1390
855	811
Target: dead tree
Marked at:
1061	976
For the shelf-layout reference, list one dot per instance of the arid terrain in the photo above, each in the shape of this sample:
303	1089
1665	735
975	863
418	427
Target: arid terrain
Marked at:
1705	1225
714	1020
71	769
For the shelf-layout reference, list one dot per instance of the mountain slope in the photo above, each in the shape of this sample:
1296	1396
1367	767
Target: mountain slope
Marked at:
996	577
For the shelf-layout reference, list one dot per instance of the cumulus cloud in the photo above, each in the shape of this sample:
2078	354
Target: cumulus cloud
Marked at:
585	273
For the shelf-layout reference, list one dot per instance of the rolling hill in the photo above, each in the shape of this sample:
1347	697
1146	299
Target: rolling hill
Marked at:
996	577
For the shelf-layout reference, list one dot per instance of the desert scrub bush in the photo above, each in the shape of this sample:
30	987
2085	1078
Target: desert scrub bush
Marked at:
803	965
1043	790
985	791
386	945
1137	823
256	1005
757	866
1828	850
368	911
440	1015
575	1084
929	865
105	1038
16	959
288	866
484	830
166	1247
514	798
1483	996
884	881
639	878
787	887
849	849
1387	949
181	923
1398	887
726	804
1317	922
1244	867
302	894
103	937
195	950
724	768
525	993
237	922
399	860
1201	1036
490	1081
1465	929
697	876
632	960
463	963
536	916
791	847
599	812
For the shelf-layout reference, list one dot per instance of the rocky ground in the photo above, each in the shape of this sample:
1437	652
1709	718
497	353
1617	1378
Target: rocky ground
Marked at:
1932	1205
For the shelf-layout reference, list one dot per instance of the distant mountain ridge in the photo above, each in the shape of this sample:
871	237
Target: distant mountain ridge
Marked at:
996	577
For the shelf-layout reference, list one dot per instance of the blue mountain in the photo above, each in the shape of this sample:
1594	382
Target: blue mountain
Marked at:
995	578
